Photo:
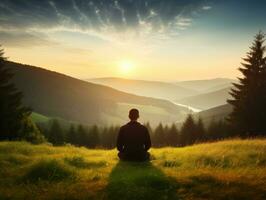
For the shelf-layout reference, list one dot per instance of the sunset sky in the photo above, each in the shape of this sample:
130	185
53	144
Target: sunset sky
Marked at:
166	40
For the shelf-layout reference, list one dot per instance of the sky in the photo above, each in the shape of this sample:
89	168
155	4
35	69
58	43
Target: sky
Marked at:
166	40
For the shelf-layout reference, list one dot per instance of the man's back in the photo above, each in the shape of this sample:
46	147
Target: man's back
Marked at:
133	137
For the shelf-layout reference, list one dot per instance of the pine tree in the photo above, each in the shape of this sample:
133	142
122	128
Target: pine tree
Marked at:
30	132
248	96
56	134
71	135
94	136
218	130
188	131
172	136
200	130
83	138
15	123
115	134
109	136
148	126
164	137
158	135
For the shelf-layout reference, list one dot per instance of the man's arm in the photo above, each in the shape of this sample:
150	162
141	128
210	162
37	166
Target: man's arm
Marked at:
147	142
120	142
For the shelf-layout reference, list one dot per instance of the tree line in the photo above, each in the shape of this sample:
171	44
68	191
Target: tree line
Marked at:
192	131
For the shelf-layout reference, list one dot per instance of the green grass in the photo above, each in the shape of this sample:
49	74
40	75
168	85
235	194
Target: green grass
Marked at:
45	120
38	118
233	169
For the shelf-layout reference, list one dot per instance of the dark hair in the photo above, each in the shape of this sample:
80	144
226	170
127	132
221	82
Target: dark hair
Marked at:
133	114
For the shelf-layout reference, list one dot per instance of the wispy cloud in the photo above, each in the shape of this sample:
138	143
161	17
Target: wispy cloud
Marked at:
24	39
206	7
107	19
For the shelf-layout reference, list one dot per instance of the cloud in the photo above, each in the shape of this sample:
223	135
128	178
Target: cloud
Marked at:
140	16
206	7
24	39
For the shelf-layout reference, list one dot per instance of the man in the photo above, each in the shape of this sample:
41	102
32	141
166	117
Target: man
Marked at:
133	139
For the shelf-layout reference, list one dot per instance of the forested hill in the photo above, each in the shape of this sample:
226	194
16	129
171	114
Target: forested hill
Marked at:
54	94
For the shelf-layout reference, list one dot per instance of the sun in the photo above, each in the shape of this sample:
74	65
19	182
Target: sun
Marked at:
126	66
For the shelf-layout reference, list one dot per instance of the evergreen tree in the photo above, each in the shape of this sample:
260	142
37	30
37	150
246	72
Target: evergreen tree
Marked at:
110	136
172	136
218	130
15	123
148	126
200	130
164	137
188	131
94	136
30	132
158	135
56	134
249	95
104	137
115	134
71	135
82	136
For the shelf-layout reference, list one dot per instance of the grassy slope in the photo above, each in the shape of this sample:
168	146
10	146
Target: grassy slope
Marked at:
225	170
45	121
39	118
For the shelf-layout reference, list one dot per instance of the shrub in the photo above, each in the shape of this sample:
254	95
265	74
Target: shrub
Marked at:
49	170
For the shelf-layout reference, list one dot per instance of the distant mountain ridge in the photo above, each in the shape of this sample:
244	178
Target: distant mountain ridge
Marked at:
56	95
199	94
207	85
208	100
215	114
156	89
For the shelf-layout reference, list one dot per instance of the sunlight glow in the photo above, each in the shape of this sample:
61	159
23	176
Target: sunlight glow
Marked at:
126	66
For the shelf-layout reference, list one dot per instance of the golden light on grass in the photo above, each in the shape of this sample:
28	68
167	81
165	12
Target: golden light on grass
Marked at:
219	169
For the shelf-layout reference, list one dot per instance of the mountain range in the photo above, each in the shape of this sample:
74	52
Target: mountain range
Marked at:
208	100
198	94
214	114
156	89
56	95
208	85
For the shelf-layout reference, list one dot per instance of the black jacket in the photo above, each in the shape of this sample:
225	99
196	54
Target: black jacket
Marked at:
133	137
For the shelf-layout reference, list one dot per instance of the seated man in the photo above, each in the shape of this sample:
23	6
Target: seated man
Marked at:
133	140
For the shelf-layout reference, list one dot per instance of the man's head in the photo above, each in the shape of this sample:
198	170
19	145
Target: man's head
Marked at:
133	114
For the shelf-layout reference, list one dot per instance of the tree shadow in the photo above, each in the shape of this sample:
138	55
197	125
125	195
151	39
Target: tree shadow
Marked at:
132	180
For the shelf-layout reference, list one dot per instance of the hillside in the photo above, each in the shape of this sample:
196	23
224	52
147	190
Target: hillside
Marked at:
207	100
223	170
56	95
208	85
154	89
216	114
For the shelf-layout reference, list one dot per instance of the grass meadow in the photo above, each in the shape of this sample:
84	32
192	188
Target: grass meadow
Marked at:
232	169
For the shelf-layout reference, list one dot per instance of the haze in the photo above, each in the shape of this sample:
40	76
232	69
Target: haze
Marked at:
140	39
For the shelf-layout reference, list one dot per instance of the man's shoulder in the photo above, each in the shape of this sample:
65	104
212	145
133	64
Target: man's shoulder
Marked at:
130	124
142	126
124	126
